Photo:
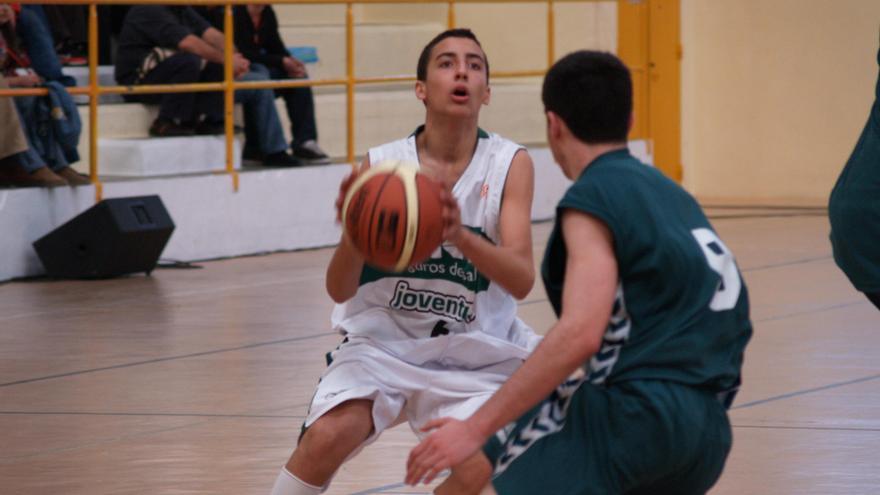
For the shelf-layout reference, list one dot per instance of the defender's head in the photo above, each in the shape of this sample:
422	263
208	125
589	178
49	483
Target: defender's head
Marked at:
592	93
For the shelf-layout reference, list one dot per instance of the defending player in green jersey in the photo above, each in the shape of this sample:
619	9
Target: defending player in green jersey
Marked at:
854	209
628	392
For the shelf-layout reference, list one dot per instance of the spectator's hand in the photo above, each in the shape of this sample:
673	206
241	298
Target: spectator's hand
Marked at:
240	65
294	67
28	80
7	15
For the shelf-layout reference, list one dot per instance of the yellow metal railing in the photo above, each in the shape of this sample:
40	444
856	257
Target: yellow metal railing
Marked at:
229	85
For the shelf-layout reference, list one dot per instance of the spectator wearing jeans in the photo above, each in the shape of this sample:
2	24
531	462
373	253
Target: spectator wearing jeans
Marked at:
171	44
256	35
50	124
37	41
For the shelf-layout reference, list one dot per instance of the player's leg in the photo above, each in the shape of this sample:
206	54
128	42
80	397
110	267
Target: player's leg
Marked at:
562	445
360	394
676	440
471	477
324	446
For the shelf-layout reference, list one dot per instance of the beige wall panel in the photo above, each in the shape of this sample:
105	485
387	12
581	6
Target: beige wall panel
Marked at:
581	26
392	13
518	42
774	94
310	15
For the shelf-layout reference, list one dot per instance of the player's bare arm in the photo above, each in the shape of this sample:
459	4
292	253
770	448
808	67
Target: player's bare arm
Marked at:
510	263
587	300
344	270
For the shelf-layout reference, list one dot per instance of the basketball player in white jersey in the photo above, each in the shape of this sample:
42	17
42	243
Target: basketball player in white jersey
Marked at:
438	339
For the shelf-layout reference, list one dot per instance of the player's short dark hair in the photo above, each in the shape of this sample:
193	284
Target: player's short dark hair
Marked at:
425	57
592	92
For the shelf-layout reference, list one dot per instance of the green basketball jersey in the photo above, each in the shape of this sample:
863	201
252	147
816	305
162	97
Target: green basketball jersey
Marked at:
854	208
681	312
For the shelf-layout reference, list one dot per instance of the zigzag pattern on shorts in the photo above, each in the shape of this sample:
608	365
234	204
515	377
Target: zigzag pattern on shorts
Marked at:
549	419
613	341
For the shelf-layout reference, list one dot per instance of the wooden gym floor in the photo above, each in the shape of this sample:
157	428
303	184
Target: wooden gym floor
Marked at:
196	381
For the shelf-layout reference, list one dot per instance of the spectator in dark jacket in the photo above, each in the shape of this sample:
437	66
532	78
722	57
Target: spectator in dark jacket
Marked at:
170	44
256	35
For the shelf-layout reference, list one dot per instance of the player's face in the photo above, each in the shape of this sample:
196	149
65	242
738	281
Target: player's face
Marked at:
456	80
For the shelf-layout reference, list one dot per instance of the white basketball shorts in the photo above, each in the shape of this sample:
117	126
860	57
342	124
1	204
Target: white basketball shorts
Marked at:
402	390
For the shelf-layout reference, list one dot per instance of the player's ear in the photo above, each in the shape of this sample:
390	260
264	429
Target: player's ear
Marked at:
421	93
488	95
554	125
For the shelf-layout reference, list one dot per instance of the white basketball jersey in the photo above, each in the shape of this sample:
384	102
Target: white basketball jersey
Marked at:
424	313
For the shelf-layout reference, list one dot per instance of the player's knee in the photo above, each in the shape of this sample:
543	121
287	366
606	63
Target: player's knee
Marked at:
340	430
477	468
470	477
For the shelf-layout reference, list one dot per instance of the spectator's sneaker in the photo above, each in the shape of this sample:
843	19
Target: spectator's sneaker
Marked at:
280	159
205	128
73	177
250	154
168	128
41	177
309	152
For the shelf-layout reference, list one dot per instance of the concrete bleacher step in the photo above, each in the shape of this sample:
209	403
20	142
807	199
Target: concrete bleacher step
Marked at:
165	156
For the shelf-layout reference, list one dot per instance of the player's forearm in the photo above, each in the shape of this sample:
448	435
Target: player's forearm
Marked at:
566	347
505	266
344	271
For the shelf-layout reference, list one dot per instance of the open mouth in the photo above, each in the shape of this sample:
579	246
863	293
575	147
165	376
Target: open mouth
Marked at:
460	94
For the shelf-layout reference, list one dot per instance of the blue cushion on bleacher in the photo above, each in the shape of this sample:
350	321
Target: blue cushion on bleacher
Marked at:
305	54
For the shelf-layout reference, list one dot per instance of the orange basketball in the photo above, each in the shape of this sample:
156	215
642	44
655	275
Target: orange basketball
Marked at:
392	214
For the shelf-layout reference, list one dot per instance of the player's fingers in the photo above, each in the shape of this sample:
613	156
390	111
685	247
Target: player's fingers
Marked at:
434	471
421	466
413	470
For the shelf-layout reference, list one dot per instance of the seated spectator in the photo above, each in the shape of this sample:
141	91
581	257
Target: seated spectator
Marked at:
13	143
257	36
170	44
50	123
29	24
70	30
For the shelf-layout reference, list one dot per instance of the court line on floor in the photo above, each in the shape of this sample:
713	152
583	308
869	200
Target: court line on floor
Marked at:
811	311
817	428
168	358
392	486
801	261
16	458
173	295
806	391
380	489
748	216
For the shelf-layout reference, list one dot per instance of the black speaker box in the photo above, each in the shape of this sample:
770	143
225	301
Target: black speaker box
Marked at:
115	237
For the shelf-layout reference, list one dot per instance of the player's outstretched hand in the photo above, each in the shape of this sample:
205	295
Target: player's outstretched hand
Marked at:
452	443
452	230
